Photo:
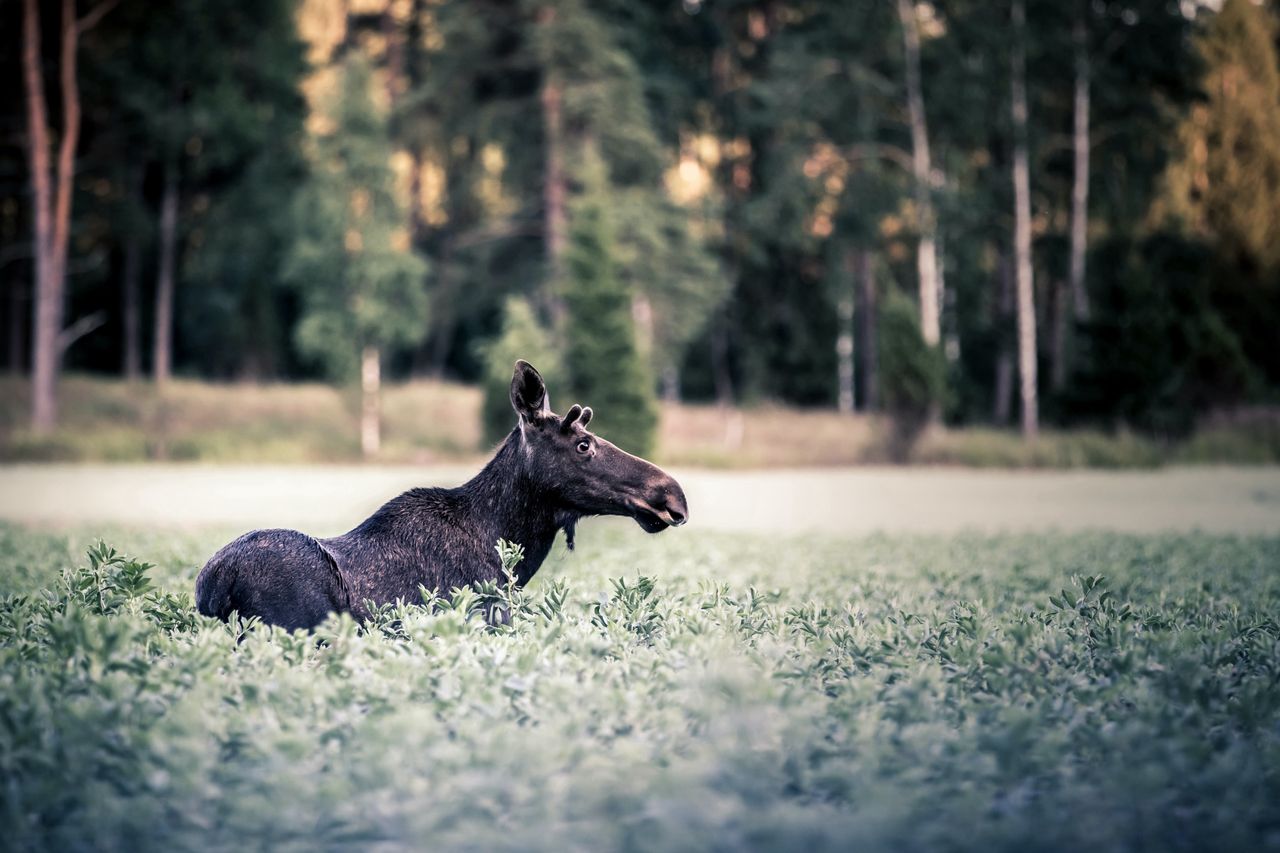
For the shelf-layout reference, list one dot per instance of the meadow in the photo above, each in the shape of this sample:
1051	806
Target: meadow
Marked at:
705	691
430	422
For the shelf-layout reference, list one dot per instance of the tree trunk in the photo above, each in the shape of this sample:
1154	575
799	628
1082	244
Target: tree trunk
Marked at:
17	345
370	402
844	336
922	171
1022	230
443	310
1080	179
1059	325
132	357
555	223
52	200
417	217
46	318
1003	394
720	358
162	364
867	338
669	383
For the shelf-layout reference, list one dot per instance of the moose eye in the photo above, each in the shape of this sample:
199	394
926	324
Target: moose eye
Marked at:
584	446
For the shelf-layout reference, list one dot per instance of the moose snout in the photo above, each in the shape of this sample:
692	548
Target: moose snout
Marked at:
671	505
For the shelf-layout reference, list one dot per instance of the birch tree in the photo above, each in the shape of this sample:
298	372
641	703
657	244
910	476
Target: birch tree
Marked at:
1024	283
1080	147
922	173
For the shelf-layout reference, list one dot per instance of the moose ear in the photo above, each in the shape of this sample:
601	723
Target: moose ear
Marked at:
585	417
528	392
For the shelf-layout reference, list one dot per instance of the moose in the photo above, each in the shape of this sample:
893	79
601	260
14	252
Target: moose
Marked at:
547	474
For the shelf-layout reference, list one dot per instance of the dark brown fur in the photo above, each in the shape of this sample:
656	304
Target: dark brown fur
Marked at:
547	474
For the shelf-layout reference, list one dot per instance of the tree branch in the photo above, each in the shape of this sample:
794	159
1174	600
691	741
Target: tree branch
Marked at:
94	15
79	329
877	151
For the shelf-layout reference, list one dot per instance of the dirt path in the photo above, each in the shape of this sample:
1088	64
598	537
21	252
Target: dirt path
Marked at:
330	499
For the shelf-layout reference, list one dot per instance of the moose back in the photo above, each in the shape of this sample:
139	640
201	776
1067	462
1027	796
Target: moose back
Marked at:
547	474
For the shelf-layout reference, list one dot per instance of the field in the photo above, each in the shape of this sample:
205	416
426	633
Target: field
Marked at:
107	420
697	690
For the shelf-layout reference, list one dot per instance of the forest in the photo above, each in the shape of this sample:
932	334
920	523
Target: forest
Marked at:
1017	213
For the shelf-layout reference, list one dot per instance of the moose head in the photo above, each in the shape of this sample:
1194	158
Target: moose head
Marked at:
584	473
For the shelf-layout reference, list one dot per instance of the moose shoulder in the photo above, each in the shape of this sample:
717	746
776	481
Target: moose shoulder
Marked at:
546	475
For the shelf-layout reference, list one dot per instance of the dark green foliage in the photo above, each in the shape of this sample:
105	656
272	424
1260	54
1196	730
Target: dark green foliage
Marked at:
214	90
781	124
601	361
909	692
359	282
1161	350
1225	184
911	374
521	337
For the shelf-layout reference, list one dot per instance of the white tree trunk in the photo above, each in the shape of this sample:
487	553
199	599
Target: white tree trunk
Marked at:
844	338
1080	180
1022	231
370	402
922	171
866	315
1003	394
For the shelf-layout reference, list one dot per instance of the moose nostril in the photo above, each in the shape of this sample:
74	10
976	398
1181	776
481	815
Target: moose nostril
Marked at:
675	509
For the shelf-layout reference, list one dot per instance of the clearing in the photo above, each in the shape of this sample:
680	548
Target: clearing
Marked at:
742	683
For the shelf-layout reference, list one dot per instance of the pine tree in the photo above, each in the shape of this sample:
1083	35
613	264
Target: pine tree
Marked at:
522	337
604	367
362	287
1226	184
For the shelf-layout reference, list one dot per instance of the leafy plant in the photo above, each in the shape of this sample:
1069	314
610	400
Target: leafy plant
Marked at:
964	692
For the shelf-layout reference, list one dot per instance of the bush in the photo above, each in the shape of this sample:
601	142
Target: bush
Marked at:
911	375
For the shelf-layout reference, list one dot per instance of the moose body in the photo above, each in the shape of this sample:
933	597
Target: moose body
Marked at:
546	475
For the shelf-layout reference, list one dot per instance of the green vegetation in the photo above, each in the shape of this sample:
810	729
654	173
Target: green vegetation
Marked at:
911	376
371	183
960	693
357	280
604	367
115	421
522	337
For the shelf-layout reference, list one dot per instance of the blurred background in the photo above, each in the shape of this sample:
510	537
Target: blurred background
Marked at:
1030	233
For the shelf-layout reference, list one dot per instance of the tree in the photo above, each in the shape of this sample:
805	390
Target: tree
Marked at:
1080	146
362	287
1022	228
522	337
197	109
1225	185
922	172
911	375
52	201
604	367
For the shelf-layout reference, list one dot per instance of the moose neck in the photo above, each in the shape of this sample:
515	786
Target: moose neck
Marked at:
512	506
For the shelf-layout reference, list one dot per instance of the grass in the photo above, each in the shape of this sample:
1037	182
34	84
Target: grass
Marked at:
106	420
1084	691
115	421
